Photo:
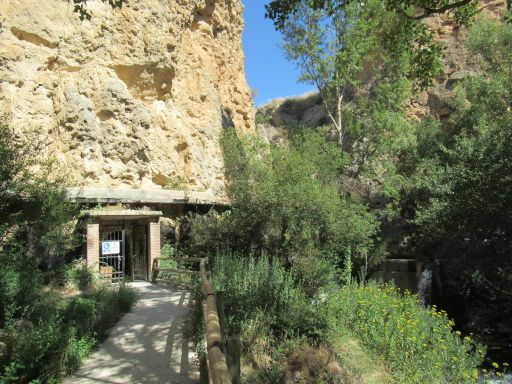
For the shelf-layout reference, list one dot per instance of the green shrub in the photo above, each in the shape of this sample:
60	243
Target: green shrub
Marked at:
261	118
286	203
418	344
251	284
53	337
85	277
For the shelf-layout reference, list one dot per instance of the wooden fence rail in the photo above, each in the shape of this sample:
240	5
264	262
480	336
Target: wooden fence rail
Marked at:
218	372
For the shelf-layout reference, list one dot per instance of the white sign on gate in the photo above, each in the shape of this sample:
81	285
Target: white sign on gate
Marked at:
110	247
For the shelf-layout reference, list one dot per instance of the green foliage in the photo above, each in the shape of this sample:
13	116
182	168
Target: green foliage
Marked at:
32	188
286	202
80	7
36	222
276	323
418	344
410	10
177	182
263	119
342	36
44	336
400	29
171	250
84	277
359	57
53	337
263	300
464	224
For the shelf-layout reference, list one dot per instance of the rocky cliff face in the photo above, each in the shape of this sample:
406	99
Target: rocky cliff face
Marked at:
134	98
458	63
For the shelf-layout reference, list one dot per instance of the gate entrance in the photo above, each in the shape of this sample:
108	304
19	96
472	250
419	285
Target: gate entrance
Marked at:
112	252
121	243
140	252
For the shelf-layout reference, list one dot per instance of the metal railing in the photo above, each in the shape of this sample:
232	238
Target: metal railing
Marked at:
216	345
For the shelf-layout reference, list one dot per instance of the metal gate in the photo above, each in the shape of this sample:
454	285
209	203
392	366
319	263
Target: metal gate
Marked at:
112	252
140	252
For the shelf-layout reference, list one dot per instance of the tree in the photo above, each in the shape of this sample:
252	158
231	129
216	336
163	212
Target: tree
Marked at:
330	48
345	48
286	204
36	221
281	10
359	57
465	223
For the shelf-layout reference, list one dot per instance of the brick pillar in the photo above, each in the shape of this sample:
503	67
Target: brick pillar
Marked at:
154	245
93	245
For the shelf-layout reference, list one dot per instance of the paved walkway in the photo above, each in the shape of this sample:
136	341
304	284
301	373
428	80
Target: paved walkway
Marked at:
147	345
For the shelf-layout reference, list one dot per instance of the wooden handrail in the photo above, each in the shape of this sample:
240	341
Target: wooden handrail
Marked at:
181	258
217	366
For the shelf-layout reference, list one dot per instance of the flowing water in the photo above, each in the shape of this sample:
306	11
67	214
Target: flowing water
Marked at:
425	297
507	379
425	286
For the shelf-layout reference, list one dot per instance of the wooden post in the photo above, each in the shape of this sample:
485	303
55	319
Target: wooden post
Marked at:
233	357
154	269
222	315
209	373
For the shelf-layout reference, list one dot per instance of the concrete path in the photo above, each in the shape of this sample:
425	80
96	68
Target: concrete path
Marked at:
147	345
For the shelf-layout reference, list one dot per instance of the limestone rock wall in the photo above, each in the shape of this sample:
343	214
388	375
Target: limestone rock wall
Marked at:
133	98
457	63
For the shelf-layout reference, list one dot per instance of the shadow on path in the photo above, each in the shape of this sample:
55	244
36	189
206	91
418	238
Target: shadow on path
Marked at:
147	345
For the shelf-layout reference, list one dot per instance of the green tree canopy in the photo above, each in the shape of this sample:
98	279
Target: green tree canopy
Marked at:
36	221
286	204
281	10
466	223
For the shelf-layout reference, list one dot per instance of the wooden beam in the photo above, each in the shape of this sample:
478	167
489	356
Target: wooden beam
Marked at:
219	373
174	270
182	258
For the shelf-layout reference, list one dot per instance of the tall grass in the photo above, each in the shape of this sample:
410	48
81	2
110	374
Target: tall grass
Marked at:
252	283
259	287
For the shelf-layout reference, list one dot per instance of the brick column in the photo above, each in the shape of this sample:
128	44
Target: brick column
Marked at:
93	245
154	245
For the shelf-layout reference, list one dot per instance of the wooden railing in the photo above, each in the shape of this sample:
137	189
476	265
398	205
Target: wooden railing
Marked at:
218	372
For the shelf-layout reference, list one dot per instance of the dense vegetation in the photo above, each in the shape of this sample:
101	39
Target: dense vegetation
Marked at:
289	288
46	326
296	245
464	225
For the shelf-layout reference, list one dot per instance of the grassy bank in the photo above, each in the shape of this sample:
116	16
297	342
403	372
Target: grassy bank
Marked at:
356	333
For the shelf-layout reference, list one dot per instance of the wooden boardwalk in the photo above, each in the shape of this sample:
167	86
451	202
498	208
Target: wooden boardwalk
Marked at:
147	345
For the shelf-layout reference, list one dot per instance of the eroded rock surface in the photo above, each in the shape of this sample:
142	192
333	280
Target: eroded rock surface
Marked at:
457	63
135	97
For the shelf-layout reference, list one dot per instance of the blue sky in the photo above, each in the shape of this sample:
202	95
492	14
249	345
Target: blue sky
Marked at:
266	68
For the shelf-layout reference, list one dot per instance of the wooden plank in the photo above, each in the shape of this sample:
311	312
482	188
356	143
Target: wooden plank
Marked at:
182	258
177	271
205	316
